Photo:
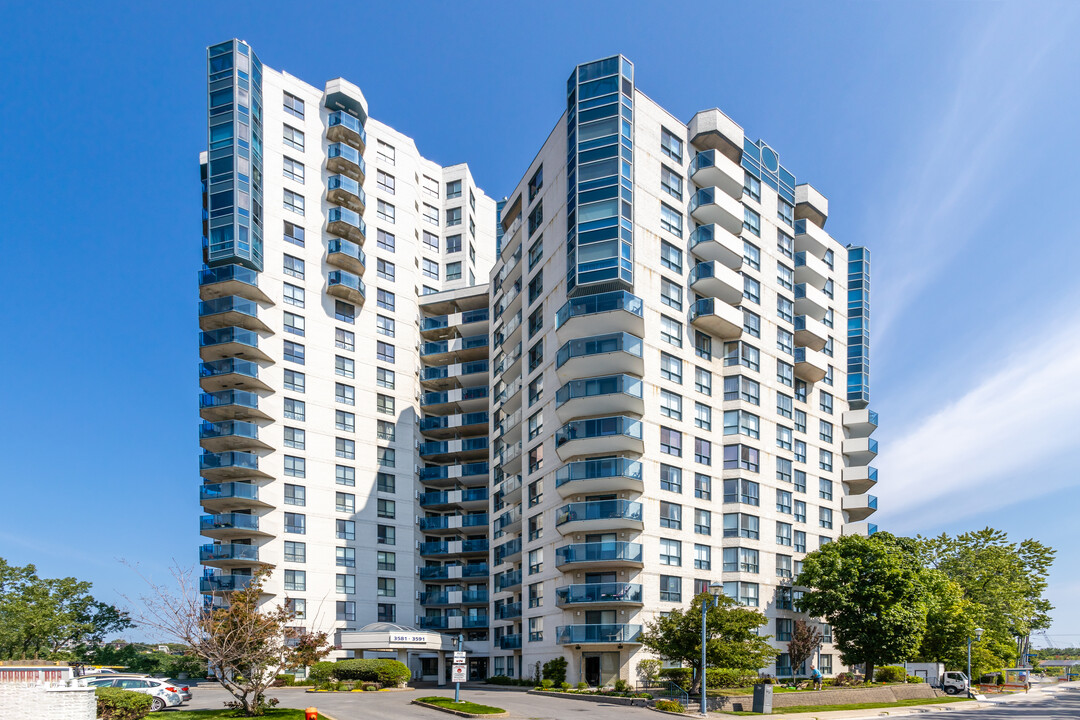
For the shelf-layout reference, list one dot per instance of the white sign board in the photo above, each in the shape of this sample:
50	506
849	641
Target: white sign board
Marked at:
396	638
459	656
458	674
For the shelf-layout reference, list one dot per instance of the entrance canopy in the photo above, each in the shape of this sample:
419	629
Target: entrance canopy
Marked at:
388	637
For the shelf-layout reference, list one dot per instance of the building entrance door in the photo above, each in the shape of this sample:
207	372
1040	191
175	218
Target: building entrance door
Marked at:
478	668
601	668
592	669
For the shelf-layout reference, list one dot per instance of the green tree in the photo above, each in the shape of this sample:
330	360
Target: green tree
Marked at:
950	621
869	590
50	617
731	637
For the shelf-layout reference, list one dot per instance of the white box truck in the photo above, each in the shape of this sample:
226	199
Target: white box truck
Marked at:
934	675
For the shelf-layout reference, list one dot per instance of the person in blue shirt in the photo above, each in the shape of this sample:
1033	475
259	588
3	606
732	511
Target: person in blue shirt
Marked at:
815	675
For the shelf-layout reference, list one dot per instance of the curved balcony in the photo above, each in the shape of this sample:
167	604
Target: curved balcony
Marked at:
711	168
714	279
509	459
444	426
599	436
231	342
618	352
617	311
858	507
229	525
508	581
810	333
228	555
860	423
346	255
229	374
606	634
617	474
230	405
810	238
509	551
509	362
224	583
452	523
343	190
222	497
715	244
510	642
865	529
810	365
345	223
598	515
509	489
454	547
599	396
859	451
859	478
344	159
460	349
616	594
464	449
346	286
811	269
230	465
470	322
467	473
442	377
716	318
343	127
225	280
454	572
599	555
711	206
231	311
230	435
467	400
508	611
509	521
811	301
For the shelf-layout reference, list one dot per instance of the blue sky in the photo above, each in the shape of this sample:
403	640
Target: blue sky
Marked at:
944	135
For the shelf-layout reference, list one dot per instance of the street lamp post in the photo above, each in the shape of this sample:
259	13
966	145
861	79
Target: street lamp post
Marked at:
978	636
706	603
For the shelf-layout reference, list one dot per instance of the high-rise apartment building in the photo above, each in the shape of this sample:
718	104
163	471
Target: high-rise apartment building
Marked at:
536	427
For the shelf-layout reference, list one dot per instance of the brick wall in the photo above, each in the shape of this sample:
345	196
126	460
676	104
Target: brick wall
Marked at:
20	700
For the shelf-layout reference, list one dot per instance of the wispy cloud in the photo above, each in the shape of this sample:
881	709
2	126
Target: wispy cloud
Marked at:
970	455
947	179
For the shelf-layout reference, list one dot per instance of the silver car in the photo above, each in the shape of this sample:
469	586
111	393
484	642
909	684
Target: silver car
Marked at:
163	693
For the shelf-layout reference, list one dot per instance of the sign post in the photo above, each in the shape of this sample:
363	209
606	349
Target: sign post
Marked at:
458	675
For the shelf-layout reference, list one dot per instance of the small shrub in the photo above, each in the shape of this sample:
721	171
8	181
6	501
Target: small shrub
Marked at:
499	680
648	670
370	688
622	686
118	704
890	674
388	673
564	685
999	680
844	679
728	678
262	704
682	677
320	672
670	706
555	670
547	684
914	679
582	686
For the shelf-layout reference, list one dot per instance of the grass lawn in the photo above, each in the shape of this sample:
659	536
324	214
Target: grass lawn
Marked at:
275	714
855	706
448	702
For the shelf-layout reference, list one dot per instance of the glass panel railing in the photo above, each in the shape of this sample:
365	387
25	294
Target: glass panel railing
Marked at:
510	642
509	579
225	460
800	227
604	468
704	159
441	372
229	521
605	633
871	528
225	335
444	422
229	428
873	417
347	279
346	184
224	583
226	273
509	611
599	510
443	346
226	398
346	247
445	472
440	622
611	592
704	306
592	387
471	622
600	303
513	547
703	234
228	552
474	597
229	490
438	398
598	552
597	428
344	119
228	366
346	152
704	196
599	345
228	304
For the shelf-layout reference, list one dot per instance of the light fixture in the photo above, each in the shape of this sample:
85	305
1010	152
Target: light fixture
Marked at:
978	633
577	647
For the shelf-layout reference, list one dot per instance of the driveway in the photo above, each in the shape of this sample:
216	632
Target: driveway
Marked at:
396	705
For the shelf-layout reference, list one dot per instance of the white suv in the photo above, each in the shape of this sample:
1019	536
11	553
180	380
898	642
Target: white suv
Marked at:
164	694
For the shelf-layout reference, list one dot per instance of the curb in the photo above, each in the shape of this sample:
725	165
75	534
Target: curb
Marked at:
459	713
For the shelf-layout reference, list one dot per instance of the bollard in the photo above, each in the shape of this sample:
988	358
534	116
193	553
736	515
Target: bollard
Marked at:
311	714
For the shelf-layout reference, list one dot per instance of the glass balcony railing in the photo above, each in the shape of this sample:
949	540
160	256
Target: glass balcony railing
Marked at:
606	633
871	528
598	428
229	428
230	303
437	622
510	642
445	346
474	597
508	518
444	497
704	159
440	372
509	579
599	345
871	501
227	398
613	592
453	446
513	547
227	460
441	322
591	552
347	153
471	570
438	398
229	366
446	472
224	583
338	246
443	422
509	611
800	227
346	279
599	510
225	335
473	622
229	521
346	184
601	303
228	491
349	122
228	552
591	469
435	598
229	273
593	387
348	217
449	522
873	417
704	196
705	307
445	548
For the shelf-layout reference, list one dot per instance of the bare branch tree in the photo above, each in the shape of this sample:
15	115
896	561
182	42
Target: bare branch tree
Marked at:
805	639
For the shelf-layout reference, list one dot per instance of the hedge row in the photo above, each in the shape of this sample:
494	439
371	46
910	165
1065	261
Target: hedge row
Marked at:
388	673
714	677
119	704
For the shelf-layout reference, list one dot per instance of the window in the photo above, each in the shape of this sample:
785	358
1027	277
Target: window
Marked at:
384	378
384	404
386	153
345	475
825	517
536	252
385	211
783	534
345	312
296	580
702	451
828	379
800	541
825	661
294	380
294	234
292	169
536	390
453	271
785	309
536	424
295	523
453	216
344	366
741	353
295	552
741	490
295	466
751	187
292	138
671	331
785	404
386	300
800	451
751	289
741	457
536	595
741	525
702	416
536	629
783	502
344	339
536	458
671	294
294	438
702	487
826	433
346	584
453	189
670	368
785	373
385	181
294	409
751	221
671	182
703	381
345	557
671	145
384	352
346	530
825	401
386	587
345	448
670	515
386	612
751	323
800	511
536	527
825	489
293	105
741	560
536	493
783	469
293	201
536	287
785	276
344	393
385	430
783	625
670	257
801	390
800	421
671	220
670	552
670	405
294	324
783	437
785	244
824	459
293	295
536	561
670	478
785	211
702	345
670	588
295	495
738	422
386	535
702	523
670	442
751	255
387	457
385	241
453	244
